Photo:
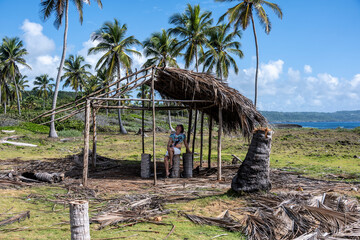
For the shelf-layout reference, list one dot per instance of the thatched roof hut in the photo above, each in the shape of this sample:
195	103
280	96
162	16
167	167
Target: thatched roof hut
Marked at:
239	113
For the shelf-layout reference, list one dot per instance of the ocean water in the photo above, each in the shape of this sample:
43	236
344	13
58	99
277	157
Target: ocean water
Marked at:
325	125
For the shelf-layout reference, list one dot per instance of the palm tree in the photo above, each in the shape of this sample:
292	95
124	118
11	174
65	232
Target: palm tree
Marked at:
116	47
75	73
223	45
61	9
92	84
21	83
192	26
162	48
12	54
241	15
105	81
44	87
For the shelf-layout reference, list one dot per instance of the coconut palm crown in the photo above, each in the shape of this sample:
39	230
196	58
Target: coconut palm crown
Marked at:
162	48
192	26
242	13
224	46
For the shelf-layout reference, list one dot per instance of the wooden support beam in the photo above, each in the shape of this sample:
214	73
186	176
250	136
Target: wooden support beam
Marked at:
194	137
210	138
189	126
92	94
153	117
86	143
201	138
141	108
149	100
93	159
143	119
219	144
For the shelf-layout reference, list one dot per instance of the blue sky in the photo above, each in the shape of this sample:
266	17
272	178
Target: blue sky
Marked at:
310	61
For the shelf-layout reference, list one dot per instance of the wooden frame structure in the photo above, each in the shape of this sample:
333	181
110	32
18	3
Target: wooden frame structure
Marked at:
239	111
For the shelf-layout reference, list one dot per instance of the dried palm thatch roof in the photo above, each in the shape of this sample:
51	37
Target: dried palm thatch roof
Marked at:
239	113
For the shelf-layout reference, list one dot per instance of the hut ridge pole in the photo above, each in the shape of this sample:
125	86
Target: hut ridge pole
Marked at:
201	138
210	138
153	116
93	159
86	143
189	126
194	137
219	144
143	118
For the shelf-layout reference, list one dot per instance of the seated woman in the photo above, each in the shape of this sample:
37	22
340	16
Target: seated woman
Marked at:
174	146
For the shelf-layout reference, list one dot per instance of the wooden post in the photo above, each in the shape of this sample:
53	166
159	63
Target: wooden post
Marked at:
201	138
219	144
79	220
210	138
189	126
153	116
86	143
194	137
93	159
142	117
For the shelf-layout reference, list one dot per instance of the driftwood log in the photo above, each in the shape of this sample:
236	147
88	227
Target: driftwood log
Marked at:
16	218
254	173
79	220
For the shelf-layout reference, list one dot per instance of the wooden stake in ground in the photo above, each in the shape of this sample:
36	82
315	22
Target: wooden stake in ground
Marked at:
201	138
93	159
189	126
79	220
219	144
143	119
153	115
194	137
86	143
210	138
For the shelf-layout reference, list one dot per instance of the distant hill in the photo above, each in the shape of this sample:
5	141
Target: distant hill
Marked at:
340	116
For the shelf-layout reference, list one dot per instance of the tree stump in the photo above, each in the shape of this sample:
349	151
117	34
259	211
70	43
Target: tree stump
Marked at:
79	220
175	171
254	173
188	165
145	165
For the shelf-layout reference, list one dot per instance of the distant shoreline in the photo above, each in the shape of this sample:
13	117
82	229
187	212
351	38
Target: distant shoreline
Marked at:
317	124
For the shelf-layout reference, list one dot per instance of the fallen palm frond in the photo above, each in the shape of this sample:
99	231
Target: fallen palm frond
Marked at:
131	208
225	222
293	216
16	218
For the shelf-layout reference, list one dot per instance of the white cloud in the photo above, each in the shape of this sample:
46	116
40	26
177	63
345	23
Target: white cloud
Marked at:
40	48
294	75
271	71
36	42
307	69
355	82
91	59
330	81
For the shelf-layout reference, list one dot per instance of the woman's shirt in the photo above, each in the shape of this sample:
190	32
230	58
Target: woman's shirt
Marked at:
177	139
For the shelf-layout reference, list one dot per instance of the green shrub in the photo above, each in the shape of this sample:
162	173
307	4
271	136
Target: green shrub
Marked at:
69	133
35	128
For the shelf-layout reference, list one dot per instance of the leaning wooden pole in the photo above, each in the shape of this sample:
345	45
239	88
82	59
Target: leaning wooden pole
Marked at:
86	143
79	220
93	159
219	144
154	125
210	138
143	120
189	126
201	138
194	137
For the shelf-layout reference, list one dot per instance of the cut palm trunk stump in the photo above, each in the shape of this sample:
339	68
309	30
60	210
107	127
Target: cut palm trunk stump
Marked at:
254	173
145	165
175	171
79	220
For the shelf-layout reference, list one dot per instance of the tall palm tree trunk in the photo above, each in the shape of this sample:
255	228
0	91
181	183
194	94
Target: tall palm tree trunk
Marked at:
196	59
52	132
169	120
122	129
17	98
257	59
